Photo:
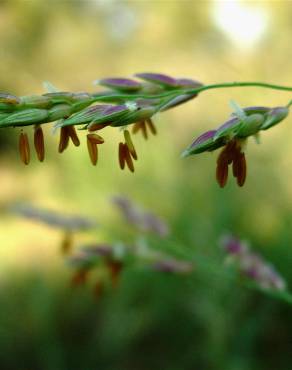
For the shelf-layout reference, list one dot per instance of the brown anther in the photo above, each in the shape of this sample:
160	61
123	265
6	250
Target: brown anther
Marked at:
64	139
144	130
115	269
130	144
136	127
96	139
24	149
231	154
98	289
92	150
223	156
128	158
80	277
122	155
67	243
236	163
140	126
39	143
73	135
151	126
241	176
222	173
227	153
97	126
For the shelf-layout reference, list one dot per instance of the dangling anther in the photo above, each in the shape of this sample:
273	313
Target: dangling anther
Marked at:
92	150
130	144
144	130
236	164
122	155
151	126
39	142
128	158
24	149
67	242
80	277
140	126
73	135
241	176
224	159
136	127
98	288
97	126
222	173
231	154
64	139
115	269
96	139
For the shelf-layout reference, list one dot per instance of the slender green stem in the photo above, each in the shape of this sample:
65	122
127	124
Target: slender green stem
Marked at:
111	97
241	84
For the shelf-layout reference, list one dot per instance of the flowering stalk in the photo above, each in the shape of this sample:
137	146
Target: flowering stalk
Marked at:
105	262
134	102
251	265
108	260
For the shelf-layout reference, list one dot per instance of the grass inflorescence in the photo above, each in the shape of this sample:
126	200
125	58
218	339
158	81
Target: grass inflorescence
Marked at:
129	101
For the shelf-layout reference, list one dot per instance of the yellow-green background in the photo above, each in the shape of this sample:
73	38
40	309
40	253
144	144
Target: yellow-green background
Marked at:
153	321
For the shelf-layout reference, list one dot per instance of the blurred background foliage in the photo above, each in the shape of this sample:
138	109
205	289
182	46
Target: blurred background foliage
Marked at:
152	321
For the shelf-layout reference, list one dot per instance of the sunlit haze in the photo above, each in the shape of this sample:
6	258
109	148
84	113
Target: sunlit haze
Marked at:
244	23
